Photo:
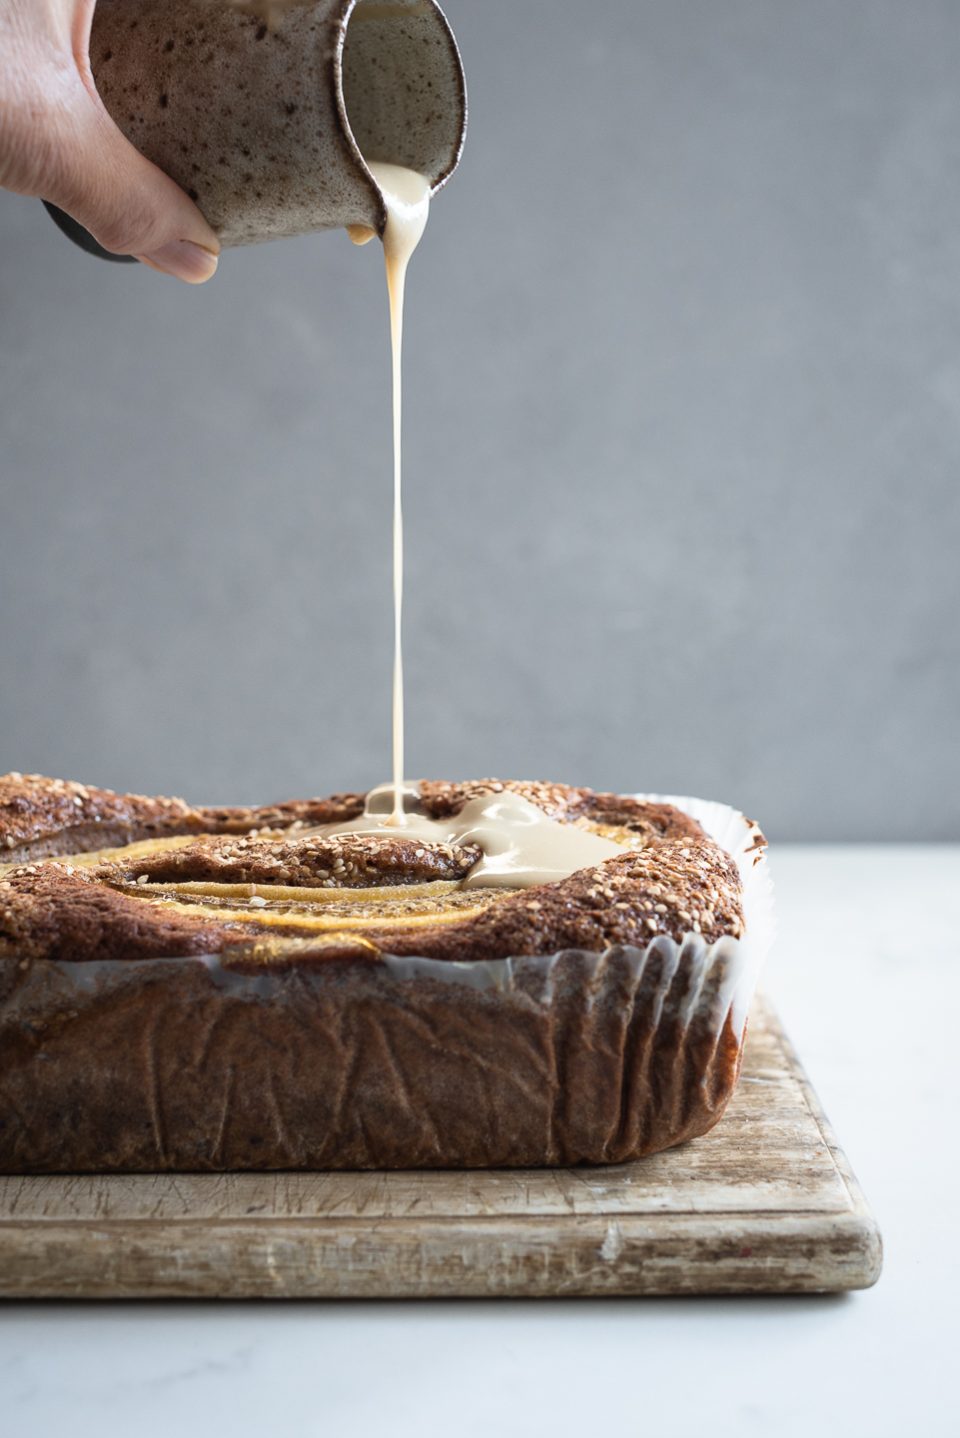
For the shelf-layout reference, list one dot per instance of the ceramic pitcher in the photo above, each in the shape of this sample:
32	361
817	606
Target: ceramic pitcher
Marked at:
265	111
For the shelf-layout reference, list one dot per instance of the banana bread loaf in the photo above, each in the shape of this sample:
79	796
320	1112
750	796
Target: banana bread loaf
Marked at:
186	988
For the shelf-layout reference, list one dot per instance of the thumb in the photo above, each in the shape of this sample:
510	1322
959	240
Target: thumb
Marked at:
129	205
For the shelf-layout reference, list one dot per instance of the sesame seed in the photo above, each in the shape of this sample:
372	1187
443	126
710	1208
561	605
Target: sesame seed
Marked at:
256	902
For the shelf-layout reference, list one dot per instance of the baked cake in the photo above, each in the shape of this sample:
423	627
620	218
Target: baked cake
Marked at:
189	988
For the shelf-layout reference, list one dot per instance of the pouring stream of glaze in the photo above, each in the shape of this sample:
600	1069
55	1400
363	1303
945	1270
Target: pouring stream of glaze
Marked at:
520	845
407	198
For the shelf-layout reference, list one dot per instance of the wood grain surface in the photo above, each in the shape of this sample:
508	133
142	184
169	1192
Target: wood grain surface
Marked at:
765	1203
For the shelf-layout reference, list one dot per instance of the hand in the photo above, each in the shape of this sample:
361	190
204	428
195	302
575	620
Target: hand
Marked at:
57	141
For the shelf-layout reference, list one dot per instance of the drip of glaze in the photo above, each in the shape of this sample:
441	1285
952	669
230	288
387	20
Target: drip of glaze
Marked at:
520	845
407	198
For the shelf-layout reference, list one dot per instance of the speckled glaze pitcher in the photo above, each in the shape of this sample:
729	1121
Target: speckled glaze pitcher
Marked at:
264	111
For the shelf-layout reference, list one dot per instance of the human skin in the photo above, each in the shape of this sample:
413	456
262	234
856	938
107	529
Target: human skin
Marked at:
57	141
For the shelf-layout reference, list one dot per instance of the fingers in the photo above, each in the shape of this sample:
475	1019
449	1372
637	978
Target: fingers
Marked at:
128	205
58	141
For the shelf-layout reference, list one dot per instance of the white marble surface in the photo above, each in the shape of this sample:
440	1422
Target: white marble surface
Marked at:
867	976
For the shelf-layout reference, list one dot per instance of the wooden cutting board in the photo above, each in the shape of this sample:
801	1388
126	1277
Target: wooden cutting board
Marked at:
766	1203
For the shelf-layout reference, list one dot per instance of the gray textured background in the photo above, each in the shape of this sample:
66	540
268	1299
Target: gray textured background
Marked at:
700	534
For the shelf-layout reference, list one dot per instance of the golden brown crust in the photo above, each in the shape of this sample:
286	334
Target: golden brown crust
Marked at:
51	911
440	798
679	887
345	862
40	817
671	879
